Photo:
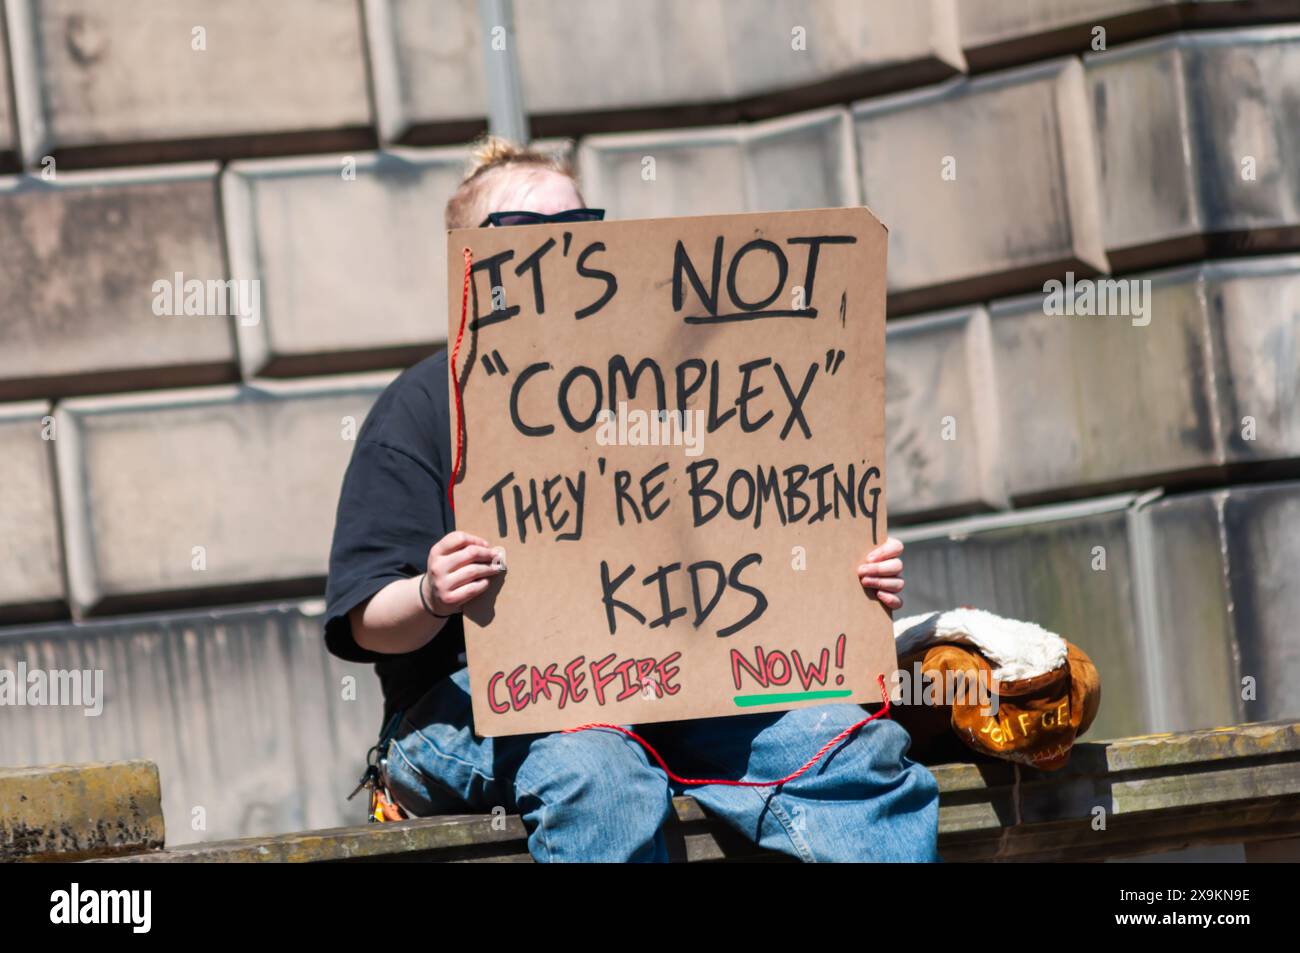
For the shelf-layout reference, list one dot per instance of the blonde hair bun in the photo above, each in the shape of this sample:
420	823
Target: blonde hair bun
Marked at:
489	153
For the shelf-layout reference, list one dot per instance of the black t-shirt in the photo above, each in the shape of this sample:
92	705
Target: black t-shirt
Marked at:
392	509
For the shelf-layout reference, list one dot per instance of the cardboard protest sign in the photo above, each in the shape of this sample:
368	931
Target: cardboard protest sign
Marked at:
675	429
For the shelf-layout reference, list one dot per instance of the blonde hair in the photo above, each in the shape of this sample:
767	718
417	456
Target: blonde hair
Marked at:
465	207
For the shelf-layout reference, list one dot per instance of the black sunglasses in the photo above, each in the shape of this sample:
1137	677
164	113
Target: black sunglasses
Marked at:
502	219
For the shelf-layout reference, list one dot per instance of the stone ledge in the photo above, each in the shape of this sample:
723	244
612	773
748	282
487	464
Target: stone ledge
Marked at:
1157	792
77	811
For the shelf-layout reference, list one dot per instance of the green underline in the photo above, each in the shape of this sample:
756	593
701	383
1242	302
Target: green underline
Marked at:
749	701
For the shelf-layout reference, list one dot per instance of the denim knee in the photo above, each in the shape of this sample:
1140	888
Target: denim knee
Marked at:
592	796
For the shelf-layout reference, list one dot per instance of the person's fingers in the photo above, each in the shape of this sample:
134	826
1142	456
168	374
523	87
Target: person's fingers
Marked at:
890	548
450	543
888	599
457	539
890	567
465	593
886	583
466	574
466	555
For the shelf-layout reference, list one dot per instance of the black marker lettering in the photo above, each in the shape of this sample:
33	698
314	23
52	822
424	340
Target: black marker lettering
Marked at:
611	282
520	381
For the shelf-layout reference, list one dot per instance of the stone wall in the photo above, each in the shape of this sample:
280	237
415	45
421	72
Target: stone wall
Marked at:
168	480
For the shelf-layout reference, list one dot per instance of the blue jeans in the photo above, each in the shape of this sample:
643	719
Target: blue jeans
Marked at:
596	795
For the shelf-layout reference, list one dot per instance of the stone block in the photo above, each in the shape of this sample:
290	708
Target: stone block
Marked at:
1093	403
31	557
140	81
941	421
427	67
75	811
802	161
349	253
182	497
987	186
96	270
1198	377
780	48
998	33
9	160
1194	133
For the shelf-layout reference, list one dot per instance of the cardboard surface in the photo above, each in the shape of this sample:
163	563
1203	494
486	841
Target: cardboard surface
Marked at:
687	566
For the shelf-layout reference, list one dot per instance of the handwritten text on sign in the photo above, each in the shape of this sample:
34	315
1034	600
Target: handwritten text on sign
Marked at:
675	428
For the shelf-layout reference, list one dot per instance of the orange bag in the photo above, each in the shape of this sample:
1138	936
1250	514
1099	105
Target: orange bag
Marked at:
1033	721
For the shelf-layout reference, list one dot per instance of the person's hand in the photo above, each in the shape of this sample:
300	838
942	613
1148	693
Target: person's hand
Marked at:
461	566
882	573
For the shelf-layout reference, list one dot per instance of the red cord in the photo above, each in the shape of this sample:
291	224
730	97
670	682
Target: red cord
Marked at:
743	784
451	500
455	377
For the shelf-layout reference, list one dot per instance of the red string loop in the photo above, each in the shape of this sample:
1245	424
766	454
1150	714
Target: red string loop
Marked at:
451	501
455	377
743	784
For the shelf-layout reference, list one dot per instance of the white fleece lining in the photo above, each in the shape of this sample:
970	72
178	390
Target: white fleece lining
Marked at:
1016	650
